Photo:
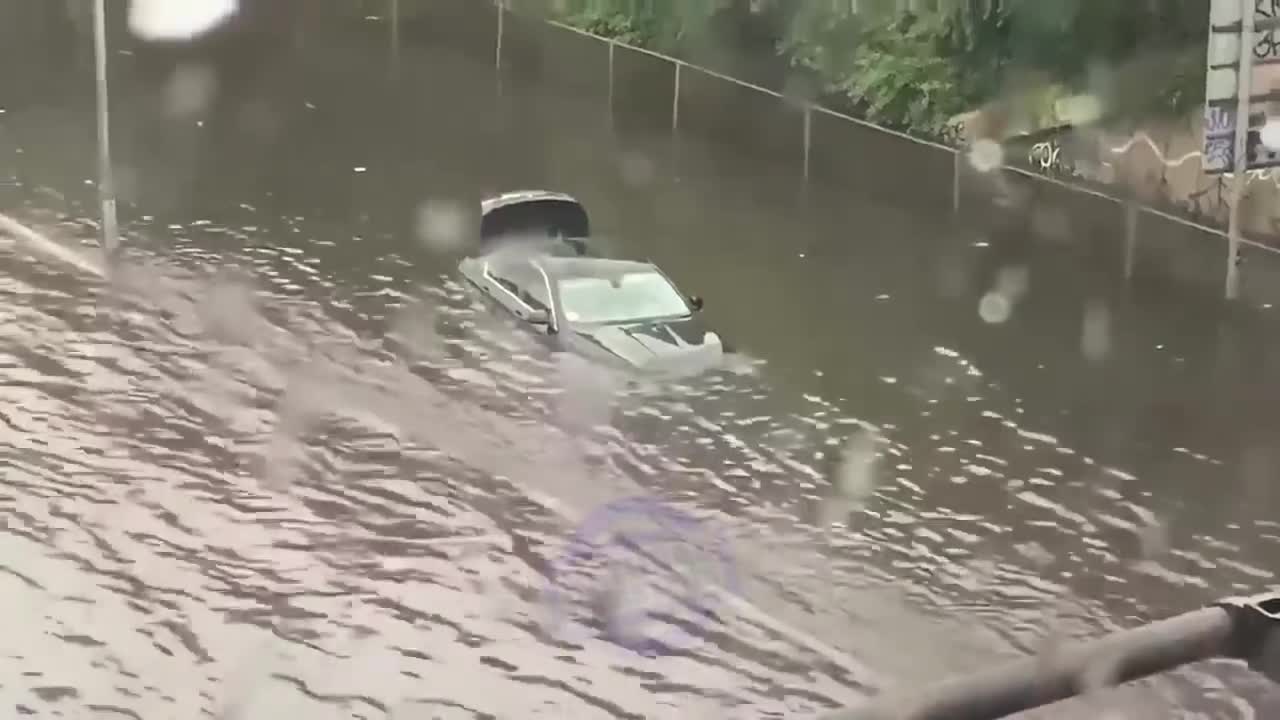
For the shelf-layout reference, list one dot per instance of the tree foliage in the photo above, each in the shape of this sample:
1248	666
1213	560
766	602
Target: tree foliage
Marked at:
912	64
665	25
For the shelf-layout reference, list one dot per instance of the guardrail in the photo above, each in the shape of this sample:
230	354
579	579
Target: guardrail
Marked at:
1133	209
1245	629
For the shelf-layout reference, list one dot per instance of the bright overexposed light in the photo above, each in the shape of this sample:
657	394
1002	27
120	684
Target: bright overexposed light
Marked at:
1270	134
169	20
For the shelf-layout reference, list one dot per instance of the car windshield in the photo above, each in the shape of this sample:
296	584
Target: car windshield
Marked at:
621	298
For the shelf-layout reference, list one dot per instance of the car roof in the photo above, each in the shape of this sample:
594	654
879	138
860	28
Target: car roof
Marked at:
578	267
514	197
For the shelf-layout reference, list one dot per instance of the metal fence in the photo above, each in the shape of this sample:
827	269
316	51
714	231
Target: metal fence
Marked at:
799	121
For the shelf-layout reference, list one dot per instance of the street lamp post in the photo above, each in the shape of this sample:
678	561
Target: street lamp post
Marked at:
106	189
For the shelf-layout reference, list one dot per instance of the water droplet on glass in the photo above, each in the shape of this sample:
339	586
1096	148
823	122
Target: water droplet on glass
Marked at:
1051	222
1013	281
259	119
855	479
1095	339
986	155
637	169
586	397
626	596
441	225
994	308
228	311
190	89
1153	540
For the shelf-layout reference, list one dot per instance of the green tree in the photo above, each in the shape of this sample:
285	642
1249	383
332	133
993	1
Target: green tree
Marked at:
914	70
664	25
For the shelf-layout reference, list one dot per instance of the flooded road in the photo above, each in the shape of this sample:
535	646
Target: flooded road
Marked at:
275	459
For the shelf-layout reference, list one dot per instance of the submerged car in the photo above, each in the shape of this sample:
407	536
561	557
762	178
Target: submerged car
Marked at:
537	264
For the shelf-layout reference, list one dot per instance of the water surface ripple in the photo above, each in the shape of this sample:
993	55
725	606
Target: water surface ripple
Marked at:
279	460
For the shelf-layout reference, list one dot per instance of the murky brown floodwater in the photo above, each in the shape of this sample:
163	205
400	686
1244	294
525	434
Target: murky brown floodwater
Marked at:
279	462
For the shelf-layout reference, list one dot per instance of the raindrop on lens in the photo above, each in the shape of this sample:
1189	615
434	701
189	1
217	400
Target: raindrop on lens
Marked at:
856	466
986	155
441	226
1013	281
994	308
1095	341
637	169
1153	540
191	88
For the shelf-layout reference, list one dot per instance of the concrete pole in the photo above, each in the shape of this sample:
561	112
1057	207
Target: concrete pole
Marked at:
106	188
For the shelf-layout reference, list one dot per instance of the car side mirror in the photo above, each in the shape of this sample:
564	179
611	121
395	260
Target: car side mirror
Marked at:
695	302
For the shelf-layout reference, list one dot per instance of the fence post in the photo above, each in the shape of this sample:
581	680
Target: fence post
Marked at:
675	99
808	137
1130	237
1239	154
395	36
497	52
957	159
613	46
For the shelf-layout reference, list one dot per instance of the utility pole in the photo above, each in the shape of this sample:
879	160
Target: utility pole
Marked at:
106	188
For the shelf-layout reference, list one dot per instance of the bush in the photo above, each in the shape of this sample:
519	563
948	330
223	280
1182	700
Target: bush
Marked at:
913	72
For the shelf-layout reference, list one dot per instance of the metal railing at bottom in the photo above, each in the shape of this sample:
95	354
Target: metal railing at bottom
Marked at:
1246	628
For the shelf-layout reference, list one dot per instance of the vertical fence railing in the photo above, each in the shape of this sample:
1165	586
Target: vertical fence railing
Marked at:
675	98
613	47
957	160
808	139
502	21
1131	209
1130	238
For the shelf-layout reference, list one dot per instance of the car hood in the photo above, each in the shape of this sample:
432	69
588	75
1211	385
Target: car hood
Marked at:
675	345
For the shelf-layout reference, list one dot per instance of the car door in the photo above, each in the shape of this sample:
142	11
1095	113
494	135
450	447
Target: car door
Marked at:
519	286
